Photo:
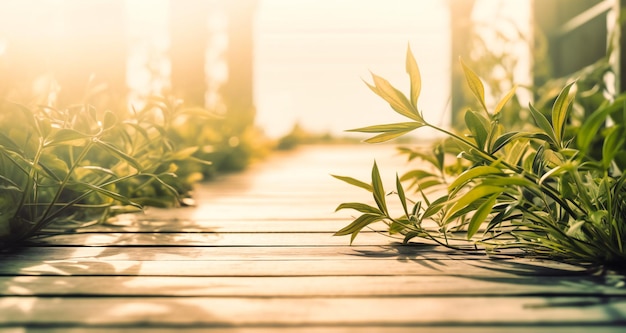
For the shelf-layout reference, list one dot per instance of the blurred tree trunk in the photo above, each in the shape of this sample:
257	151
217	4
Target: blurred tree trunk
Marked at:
238	90
461	34
189	38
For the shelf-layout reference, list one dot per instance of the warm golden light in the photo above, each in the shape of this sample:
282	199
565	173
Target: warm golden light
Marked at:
309	57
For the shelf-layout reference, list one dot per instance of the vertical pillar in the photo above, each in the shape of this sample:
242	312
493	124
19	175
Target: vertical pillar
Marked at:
238	91
461	27
189	38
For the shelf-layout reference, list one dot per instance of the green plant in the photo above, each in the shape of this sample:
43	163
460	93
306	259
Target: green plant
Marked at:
66	168
541	190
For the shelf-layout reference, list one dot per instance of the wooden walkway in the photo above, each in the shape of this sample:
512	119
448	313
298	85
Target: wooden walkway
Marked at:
257	254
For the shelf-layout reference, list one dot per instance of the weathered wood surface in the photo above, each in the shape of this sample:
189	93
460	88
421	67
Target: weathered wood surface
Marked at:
257	254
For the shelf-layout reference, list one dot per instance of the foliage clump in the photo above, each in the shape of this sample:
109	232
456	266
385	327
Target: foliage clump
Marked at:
64	168
542	190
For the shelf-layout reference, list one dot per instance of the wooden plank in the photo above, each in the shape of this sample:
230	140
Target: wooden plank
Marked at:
361	311
329	329
388	252
476	268
309	286
239	226
212	239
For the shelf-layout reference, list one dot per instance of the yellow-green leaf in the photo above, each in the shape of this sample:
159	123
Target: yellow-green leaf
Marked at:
480	215
475	84
560	110
414	74
470	197
473	173
396	99
379	191
505	99
384	137
355	182
407	126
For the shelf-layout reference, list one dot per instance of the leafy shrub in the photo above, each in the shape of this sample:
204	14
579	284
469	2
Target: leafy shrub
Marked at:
65	168
541	190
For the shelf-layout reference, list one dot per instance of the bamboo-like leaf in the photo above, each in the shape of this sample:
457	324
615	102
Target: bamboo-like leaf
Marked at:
406	126
396	99
360	207
471	197
515	152
120	154
414	74
504	100
478	126
472	174
355	182
384	137
613	143
435	207
554	172
543	123
560	110
480	215
357	225
417	174
66	136
100	189
475	84
379	191
401	195
590	127
181	154
504	139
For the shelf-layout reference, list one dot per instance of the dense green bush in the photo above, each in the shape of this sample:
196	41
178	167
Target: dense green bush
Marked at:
542	189
63	168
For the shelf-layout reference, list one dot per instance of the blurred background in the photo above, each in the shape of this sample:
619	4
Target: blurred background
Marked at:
285	64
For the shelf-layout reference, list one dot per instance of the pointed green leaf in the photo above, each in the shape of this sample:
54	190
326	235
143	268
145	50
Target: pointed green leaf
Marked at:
360	207
514	153
475	84
396	99
357	225
435	207
560	110
401	195
384	137
613	143
407	126
480	215
181	155
120	154
471	197
414	74
591	126
543	123
503	140
379	191
355	182
473	173
478	126
66	136
505	99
